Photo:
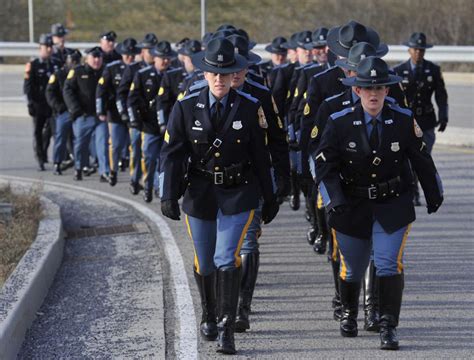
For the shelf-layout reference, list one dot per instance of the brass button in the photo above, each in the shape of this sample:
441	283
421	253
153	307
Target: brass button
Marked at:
217	168
374	152
195	141
396	161
217	154
350	161
374	175
238	141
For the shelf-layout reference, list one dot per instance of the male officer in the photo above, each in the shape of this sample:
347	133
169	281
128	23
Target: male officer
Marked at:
60	51
37	73
106	103
150	40
107	45
192	74
422	78
79	96
55	99
217	130
277	58
278	147
142	108
363	167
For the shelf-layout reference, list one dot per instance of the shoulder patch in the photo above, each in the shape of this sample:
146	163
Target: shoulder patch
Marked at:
161	91
314	132
52	79
101	80
167	137
173	70
306	110
341	113
418	131
70	74
192	95
181	95
296	93
198	85
146	68
132	86
390	100
247	96
256	84
275	107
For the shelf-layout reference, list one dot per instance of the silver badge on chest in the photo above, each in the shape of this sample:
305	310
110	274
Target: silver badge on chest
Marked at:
395	146
237	125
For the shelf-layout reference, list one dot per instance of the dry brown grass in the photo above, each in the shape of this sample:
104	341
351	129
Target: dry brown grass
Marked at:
17	235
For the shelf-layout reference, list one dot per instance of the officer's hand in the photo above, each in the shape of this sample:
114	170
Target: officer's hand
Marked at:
31	109
442	125
124	117
102	117
283	186
134	124
433	208
162	129
340	209
269	211
170	209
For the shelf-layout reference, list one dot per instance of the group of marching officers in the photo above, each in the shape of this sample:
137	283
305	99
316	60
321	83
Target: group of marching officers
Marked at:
236	136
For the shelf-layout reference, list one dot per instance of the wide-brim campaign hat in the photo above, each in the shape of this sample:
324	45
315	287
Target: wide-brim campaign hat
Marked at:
291	44
357	53
95	51
128	47
275	46
372	71
149	41
46	39
319	39
417	41
241	46
190	48
340	39
163	50
59	30
109	35
219	57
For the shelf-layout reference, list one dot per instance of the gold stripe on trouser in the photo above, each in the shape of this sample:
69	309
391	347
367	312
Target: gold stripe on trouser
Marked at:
132	155
343	272
144	170
111	149
238	259
319	202
402	247
196	260
335	247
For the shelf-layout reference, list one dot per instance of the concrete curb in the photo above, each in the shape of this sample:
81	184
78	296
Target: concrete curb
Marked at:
25	289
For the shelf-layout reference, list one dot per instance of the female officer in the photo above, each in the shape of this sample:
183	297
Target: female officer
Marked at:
364	175
215	134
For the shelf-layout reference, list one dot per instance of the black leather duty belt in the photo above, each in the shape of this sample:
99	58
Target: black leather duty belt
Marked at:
377	191
231	176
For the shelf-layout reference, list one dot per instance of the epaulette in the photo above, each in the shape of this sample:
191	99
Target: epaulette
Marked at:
390	100
194	94
311	66
397	108
342	113
198	85
256	84
169	71
248	96
146	68
323	72
283	65
334	96
113	63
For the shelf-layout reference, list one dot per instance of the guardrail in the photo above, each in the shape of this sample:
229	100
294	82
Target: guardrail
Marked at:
460	54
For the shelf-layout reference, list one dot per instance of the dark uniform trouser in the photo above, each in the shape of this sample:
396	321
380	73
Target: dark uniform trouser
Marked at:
41	136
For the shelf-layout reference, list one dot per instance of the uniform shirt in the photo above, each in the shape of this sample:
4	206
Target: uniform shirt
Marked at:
107	87
368	123
111	56
125	83
54	91
345	161
37	73
79	90
168	93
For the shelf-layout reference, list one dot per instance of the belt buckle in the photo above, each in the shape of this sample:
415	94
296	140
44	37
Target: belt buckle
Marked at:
218	178
217	143
372	192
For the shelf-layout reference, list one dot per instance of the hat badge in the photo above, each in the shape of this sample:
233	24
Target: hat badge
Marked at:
362	56
321	37
419	41
220	57
373	73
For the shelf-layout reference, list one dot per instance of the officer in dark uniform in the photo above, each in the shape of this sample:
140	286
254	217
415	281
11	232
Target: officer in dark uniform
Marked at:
79	96
278	147
142	108
216	132
106	103
277	58
60	51
363	167
192	74
54	97
150	40
107	44
422	78
37	73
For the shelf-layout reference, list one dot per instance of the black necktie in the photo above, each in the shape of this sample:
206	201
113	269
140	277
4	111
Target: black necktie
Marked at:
374	135
418	73
216	115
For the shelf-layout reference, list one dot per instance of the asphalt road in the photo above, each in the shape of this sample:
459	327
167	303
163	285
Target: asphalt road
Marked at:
292	314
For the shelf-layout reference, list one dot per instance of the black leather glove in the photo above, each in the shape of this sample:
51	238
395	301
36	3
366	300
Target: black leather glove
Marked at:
124	117
269	211
293	146
340	209
442	125
31	109
283	186
170	209
433	208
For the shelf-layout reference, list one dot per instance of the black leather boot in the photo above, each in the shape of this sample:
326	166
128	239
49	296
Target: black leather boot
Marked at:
228	284
350	292
371	305
324	233
416	191
336	301
295	191
57	169
313	227
390	298
78	175
250	264
135	188
148	195
207	291
113	178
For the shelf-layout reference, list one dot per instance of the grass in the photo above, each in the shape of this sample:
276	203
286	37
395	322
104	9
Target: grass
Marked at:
17	235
